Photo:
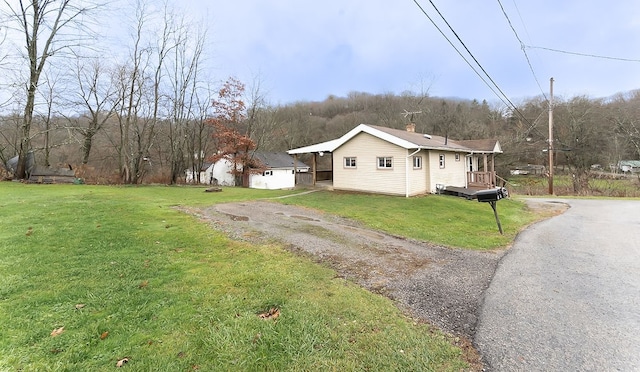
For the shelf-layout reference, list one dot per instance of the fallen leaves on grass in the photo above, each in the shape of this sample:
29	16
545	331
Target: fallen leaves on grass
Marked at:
122	362
29	231
144	284
57	332
104	335
79	306
256	338
273	313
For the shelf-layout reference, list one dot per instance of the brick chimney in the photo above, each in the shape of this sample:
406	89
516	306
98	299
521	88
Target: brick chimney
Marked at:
411	127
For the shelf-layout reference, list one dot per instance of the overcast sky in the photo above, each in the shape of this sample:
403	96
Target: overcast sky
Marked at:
308	50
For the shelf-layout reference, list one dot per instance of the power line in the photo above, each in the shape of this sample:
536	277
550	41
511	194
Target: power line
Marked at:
523	47
583	54
504	96
471	54
458	51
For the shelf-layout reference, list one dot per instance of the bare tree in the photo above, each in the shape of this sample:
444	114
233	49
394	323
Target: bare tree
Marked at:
42	24
183	73
139	99
50	99
625	117
199	133
580	138
96	99
261	123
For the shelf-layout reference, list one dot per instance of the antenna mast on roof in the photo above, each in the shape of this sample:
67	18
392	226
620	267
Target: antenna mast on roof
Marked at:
407	113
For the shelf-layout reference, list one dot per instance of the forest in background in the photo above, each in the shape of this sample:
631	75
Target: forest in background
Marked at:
588	131
147	115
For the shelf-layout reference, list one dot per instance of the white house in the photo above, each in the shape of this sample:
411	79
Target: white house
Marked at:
213	173
382	160
280	172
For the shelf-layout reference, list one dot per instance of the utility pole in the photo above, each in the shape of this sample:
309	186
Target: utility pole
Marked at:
550	148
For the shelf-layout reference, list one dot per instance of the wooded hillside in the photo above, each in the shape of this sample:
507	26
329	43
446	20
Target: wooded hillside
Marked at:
146	115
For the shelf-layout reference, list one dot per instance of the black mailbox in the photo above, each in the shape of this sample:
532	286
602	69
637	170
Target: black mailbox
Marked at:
491	195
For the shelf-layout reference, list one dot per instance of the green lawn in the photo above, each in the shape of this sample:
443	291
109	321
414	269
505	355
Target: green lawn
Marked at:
445	220
128	276
628	187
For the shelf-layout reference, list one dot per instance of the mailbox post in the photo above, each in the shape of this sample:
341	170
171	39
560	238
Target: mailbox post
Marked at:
492	196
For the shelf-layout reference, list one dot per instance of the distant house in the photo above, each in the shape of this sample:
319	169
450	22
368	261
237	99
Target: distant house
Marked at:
629	166
382	160
280	172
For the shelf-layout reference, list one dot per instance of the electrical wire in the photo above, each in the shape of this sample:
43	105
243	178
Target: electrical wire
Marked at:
458	51
502	96
523	47
471	54
583	54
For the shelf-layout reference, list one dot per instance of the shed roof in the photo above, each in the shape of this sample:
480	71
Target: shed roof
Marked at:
275	160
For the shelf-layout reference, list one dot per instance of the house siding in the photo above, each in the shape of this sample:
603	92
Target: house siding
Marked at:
366	176
453	173
279	179
419	178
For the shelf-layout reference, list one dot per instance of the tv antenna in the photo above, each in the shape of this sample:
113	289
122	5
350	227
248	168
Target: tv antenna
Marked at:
410	113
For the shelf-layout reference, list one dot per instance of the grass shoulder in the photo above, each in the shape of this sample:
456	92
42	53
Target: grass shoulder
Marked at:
439	219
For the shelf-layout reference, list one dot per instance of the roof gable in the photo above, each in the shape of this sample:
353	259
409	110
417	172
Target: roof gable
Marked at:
483	145
404	139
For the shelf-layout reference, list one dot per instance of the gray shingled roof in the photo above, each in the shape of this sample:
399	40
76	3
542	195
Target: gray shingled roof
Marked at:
422	140
405	139
278	160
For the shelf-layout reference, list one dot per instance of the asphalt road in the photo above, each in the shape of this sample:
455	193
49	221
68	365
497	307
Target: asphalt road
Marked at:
567	295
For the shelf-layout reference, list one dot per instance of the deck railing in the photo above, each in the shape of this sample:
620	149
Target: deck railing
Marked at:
481	179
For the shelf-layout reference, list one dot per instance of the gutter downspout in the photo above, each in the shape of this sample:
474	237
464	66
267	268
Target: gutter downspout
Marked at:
406	173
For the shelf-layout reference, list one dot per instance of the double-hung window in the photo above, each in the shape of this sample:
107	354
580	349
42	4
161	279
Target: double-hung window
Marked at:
441	161
350	162
417	162
385	162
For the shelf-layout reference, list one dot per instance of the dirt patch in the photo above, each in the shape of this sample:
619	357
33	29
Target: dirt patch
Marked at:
546	208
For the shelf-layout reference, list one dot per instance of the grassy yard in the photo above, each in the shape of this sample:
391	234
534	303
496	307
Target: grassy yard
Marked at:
93	275
562	185
445	220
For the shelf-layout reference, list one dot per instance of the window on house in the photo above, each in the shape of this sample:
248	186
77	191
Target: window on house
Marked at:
457	157
385	162
268	173
350	162
441	161
417	162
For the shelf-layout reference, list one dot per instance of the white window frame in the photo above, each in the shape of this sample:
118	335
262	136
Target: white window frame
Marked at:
457	156
442	160
267	173
386	161
417	162
348	160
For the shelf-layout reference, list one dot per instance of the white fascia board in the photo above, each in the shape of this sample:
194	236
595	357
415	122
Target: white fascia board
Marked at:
328	146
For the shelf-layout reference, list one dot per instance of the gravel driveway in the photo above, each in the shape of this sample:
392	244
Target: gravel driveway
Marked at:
567	296
442	286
